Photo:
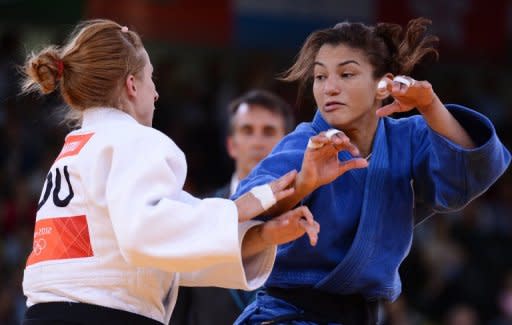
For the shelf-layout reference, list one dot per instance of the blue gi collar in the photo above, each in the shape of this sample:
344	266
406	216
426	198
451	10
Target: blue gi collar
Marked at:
360	253
318	123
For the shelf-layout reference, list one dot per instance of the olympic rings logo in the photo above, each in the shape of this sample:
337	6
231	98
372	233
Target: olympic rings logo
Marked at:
39	245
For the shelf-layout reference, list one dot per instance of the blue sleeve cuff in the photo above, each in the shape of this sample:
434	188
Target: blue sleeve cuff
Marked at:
479	128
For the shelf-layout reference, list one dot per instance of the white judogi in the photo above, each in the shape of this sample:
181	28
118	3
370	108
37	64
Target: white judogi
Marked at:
116	229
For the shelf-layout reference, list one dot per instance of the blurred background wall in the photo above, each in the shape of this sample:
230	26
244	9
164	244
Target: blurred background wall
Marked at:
206	53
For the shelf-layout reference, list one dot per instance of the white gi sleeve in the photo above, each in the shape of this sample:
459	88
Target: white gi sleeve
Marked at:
158	225
257	269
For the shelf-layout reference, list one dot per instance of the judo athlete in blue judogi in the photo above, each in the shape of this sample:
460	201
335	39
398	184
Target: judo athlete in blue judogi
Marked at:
370	181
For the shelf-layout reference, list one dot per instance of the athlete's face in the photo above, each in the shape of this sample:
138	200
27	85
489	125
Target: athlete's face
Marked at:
344	87
146	94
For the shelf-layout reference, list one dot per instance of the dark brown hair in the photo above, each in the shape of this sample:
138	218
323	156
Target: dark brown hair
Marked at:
90	69
387	47
266	100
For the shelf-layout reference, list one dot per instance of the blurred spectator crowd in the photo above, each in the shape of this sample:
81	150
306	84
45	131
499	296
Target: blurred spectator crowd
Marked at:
459	271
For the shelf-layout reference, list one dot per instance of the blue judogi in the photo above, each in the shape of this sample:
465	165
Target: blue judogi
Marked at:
367	216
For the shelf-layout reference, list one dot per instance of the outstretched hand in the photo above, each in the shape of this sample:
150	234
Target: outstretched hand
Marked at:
290	226
321	164
282	229
408	94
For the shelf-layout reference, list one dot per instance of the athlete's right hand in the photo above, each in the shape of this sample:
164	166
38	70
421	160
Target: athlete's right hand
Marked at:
249	206
321	164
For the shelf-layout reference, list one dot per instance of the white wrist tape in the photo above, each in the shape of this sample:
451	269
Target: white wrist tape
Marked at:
404	80
265	195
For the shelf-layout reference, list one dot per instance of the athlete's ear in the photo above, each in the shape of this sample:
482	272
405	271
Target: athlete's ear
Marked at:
130	86
384	87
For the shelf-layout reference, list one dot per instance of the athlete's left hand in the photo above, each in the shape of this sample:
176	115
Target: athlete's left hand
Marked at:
408	95
290	226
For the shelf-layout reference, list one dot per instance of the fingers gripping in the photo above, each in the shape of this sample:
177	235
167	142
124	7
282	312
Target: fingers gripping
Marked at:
407	81
282	187
283	182
353	164
313	142
388	109
311	230
306	221
337	138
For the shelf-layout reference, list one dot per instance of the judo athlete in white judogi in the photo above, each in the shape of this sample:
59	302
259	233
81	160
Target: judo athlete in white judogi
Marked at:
115	233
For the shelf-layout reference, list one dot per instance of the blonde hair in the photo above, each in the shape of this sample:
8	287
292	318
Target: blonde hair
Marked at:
91	68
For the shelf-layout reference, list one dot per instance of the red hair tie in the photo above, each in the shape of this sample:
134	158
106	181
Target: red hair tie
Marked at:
60	68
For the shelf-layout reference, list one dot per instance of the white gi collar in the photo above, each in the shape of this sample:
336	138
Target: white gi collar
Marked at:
234	184
96	115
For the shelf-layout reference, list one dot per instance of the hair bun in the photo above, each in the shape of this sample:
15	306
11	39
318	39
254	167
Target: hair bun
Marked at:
44	70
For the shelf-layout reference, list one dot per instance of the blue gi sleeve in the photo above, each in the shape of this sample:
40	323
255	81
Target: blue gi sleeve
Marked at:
446	176
286	156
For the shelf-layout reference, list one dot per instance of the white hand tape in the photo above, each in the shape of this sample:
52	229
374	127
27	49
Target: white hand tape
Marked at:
404	80
382	84
331	132
314	145
265	195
